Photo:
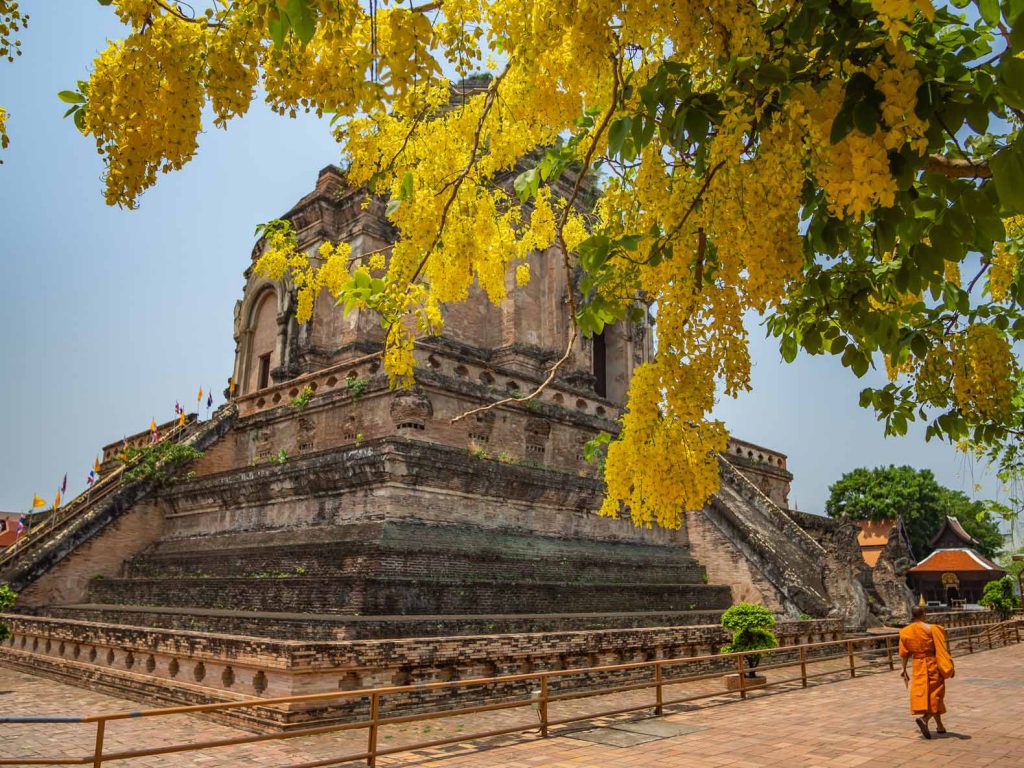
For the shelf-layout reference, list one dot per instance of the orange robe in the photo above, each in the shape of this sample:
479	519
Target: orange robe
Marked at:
932	665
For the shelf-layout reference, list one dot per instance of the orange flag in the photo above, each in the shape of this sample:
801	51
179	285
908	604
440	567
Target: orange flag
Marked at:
199	397
56	502
37	502
96	465
152	426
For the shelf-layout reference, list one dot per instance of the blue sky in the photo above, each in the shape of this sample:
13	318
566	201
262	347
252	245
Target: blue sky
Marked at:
109	316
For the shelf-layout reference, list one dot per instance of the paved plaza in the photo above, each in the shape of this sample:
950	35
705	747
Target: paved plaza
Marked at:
842	723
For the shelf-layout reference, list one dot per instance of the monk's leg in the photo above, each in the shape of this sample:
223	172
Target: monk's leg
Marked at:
939	727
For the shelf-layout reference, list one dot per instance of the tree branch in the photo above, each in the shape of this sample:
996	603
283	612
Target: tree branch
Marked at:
958	168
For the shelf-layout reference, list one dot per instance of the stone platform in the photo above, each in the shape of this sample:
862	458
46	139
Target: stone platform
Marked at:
860	722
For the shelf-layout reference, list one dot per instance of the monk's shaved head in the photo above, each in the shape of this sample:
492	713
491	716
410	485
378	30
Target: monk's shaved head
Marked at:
918	612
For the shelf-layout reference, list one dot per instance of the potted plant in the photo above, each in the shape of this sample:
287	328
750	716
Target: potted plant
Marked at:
751	629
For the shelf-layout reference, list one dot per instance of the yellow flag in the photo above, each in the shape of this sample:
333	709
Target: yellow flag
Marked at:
56	502
199	397
152	426
37	502
96	465
231	385
181	419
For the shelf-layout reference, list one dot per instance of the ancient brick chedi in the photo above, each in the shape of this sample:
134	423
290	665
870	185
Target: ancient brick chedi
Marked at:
338	533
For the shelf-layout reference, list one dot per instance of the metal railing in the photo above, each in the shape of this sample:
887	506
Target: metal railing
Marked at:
59	519
875	652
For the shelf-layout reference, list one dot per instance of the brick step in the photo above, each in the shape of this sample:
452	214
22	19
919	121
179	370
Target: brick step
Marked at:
404	537
367	559
304	626
396	596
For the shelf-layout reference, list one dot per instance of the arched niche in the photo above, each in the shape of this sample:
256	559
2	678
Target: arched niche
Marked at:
261	353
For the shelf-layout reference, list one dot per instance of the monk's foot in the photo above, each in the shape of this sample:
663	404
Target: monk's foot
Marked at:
923	726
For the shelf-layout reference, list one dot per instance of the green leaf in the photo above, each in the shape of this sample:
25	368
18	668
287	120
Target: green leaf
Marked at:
1010	81
617	133
526	184
1008	175
842	124
788	348
406	189
989	10
278	26
302	15
71	97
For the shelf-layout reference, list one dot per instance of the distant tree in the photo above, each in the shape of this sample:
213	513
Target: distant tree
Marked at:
885	493
1000	597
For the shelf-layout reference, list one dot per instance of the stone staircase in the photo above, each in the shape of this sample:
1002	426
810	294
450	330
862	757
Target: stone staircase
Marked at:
785	555
400	579
89	514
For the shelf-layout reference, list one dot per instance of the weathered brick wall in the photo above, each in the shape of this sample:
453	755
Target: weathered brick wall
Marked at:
102	555
405	596
173	666
726	564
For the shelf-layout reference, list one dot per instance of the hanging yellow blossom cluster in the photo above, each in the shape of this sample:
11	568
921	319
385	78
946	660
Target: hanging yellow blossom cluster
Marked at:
282	258
984	370
1006	259
12	20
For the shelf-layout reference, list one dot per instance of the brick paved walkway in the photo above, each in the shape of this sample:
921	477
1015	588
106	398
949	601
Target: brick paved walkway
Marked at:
843	724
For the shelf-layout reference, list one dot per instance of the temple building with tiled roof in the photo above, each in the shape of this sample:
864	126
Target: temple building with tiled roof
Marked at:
955	571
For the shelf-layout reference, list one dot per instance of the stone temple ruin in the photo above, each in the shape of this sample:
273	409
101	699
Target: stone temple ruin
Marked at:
388	545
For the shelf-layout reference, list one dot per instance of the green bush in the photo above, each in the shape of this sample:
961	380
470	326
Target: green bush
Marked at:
158	463
1000	597
7	598
751	628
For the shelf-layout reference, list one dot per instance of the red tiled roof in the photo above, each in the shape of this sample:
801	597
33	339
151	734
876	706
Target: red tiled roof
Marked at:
953	560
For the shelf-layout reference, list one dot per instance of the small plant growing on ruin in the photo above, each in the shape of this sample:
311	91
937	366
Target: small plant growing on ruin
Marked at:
476	450
359	439
506	458
7	598
158	463
303	398
280	457
595	450
751	629
1000	597
300	570
356	387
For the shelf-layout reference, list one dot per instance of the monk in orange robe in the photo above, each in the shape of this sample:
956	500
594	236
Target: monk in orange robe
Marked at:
926	644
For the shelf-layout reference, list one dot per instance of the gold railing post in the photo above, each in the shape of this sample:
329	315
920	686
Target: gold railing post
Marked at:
544	706
803	666
849	650
97	755
740	668
888	654
371	747
659	707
